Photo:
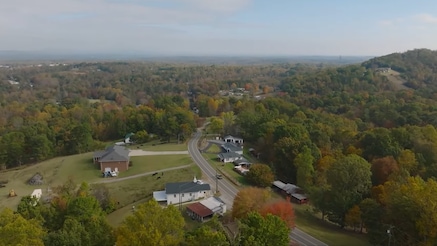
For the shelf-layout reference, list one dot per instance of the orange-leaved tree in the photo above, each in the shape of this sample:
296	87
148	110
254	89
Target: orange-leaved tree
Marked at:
249	200
282	209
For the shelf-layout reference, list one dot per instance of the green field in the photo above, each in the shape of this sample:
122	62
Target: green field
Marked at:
54	171
148	163
158	146
325	231
137	190
79	167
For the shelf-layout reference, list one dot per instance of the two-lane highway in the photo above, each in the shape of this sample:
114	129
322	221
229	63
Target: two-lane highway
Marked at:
228	191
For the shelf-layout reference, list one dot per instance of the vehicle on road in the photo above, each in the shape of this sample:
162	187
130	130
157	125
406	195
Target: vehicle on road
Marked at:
219	176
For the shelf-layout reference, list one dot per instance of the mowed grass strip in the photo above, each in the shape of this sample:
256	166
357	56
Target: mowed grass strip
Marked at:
227	167
149	163
137	190
54	171
324	231
158	146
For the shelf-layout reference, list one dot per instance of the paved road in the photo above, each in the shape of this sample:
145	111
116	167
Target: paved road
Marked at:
229	191
117	179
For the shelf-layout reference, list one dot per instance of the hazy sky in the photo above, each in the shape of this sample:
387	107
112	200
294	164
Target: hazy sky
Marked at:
220	27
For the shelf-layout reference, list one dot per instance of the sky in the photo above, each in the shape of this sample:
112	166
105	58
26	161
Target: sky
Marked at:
219	27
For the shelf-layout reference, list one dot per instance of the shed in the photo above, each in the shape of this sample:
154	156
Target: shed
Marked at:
198	211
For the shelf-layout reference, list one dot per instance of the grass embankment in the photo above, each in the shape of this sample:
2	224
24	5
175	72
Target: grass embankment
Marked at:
227	169
148	163
138	190
324	231
157	145
54	171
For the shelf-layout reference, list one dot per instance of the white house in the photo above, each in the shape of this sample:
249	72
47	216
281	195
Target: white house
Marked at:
231	139
176	193
229	157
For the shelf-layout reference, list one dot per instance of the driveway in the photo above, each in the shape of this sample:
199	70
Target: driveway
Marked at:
228	191
140	152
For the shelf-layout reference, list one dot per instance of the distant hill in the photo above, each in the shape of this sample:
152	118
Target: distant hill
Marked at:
417	67
40	56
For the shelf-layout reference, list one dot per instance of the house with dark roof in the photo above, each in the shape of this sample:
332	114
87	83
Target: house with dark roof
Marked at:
180	192
242	162
114	158
292	191
230	147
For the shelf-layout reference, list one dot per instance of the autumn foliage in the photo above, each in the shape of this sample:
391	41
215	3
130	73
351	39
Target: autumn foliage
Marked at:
282	209
257	200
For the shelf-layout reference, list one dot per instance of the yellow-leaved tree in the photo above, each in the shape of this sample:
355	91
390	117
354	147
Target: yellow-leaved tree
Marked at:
151	224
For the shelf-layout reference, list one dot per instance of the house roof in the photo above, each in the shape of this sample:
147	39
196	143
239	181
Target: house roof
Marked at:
213	204
160	196
242	161
289	188
185	187
228	155
231	147
229	136
200	209
299	196
113	153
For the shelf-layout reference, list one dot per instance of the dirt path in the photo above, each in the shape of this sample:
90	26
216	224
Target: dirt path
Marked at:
139	152
113	180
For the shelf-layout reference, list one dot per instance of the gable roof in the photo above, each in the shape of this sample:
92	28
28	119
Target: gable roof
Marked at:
113	153
200	209
242	161
228	155
231	147
185	187
232	137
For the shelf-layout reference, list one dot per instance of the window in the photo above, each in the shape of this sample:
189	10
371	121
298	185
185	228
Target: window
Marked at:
183	195
191	194
174	195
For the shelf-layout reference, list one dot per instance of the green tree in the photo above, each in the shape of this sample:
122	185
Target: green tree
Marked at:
140	137
260	175
206	236
305	169
350	179
73	233
15	230
216	125
255	230
152	224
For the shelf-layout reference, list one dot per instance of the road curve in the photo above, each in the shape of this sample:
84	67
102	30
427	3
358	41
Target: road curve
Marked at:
229	191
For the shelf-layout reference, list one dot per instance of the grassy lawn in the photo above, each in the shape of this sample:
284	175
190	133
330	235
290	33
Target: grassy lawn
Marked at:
324	231
54	171
156	145
227	167
148	163
137	190
214	149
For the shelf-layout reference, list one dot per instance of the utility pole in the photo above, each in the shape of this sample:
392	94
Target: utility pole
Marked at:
389	232
216	183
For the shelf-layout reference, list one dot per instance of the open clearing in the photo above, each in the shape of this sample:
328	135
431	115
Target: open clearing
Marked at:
396	79
81	168
142	164
137	190
54	171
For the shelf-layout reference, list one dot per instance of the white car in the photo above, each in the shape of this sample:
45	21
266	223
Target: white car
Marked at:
113	174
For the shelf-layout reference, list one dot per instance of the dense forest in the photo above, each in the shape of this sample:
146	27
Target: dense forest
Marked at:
363	147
